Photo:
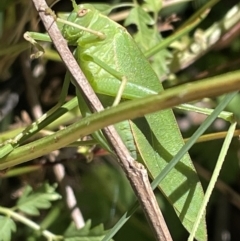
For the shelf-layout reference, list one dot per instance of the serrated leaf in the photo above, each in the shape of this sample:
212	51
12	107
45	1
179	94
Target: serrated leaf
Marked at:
85	234
153	5
31	201
73	231
140	18
160	60
7	226
147	37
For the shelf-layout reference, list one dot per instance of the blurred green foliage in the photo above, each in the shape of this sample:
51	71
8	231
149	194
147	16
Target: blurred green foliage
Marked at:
102	191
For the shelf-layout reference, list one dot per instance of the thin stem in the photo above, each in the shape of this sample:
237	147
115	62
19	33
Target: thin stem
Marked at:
29	223
215	175
126	110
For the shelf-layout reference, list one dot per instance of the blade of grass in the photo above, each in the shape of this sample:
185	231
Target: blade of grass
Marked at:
213	180
174	161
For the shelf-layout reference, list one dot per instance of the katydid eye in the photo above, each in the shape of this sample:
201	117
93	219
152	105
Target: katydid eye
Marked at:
82	12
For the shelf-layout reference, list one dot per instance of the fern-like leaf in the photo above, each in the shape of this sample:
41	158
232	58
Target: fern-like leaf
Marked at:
7	226
31	201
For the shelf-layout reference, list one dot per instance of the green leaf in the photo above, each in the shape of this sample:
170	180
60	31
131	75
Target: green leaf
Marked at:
159	61
141	19
153	5
7	226
31	201
148	37
85	234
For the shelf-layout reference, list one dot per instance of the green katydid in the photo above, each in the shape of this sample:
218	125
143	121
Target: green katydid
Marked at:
111	61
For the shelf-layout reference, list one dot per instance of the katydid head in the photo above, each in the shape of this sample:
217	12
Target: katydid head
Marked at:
79	21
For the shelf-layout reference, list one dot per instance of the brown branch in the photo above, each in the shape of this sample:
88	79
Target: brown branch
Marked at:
135	172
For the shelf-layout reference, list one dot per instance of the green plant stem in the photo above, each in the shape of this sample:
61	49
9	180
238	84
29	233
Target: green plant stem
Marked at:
29	223
198	14
198	46
225	115
165	43
127	110
186	28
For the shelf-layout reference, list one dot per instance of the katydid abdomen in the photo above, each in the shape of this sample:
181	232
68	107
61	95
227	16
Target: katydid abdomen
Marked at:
108	61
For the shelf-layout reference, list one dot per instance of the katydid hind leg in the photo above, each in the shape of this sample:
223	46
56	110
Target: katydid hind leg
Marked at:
85	111
120	91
